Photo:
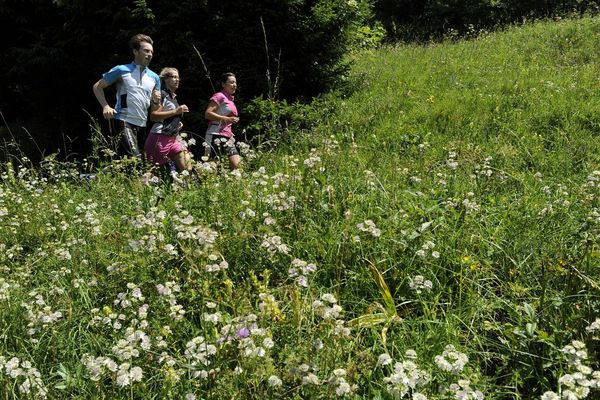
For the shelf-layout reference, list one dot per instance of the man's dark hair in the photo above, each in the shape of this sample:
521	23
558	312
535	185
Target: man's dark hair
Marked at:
136	40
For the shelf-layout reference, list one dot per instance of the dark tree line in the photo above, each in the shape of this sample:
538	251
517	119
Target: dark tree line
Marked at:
423	20
56	49
292	49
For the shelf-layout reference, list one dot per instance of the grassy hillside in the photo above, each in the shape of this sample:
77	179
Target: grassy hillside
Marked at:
434	235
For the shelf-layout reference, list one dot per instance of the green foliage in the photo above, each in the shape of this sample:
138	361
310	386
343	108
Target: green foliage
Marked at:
369	37
141	10
278	122
435	231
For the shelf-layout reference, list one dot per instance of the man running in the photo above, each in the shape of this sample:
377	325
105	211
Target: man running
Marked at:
138	88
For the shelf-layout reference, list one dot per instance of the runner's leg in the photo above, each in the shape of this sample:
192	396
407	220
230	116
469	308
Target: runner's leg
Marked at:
129	140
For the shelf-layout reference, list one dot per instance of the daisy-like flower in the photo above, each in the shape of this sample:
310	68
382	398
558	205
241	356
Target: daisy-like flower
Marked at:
136	374
274	381
575	352
419	284
368	226
273	244
405	377
594	326
451	360
384	359
327	308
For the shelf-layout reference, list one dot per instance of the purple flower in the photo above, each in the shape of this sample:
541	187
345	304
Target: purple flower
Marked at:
243	333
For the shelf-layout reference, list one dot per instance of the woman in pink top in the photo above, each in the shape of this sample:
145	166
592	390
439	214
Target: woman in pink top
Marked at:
222	114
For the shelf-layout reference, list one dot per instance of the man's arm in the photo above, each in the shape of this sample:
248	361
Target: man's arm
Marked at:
107	111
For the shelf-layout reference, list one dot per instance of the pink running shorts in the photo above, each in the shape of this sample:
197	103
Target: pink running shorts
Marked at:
160	148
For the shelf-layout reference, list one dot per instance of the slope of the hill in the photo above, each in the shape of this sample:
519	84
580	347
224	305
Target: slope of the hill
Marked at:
434	235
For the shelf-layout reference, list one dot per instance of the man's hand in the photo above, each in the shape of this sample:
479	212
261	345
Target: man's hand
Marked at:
156	97
108	112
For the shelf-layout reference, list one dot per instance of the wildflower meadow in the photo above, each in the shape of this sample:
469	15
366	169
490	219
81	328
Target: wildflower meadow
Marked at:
431	233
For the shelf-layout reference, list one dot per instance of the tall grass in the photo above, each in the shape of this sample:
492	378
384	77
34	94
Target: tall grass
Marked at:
433	236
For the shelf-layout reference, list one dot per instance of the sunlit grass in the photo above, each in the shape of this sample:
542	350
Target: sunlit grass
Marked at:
434	236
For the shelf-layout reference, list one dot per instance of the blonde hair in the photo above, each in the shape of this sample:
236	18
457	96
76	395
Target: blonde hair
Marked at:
168	71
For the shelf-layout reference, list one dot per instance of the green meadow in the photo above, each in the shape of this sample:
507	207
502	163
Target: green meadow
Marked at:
428	231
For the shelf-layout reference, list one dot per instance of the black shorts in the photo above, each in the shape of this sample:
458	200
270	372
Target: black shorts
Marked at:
131	137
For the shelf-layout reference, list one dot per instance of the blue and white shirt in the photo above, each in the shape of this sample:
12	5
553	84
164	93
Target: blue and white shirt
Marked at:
134	91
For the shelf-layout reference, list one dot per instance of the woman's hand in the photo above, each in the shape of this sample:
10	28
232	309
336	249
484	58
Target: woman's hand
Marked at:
182	109
231	120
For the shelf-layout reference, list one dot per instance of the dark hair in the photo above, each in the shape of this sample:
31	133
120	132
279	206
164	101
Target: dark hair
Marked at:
136	40
226	76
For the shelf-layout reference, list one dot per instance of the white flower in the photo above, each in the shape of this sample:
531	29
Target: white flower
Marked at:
567	380
324	311
302	281
259	352
304	367
570	395
122	379
405	377
136	374
328	297
369	226
274	244
462	390
585	370
418	283
451	360
384	359
594	326
343	388
274	381
310	379
575	352
111	365
214	318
